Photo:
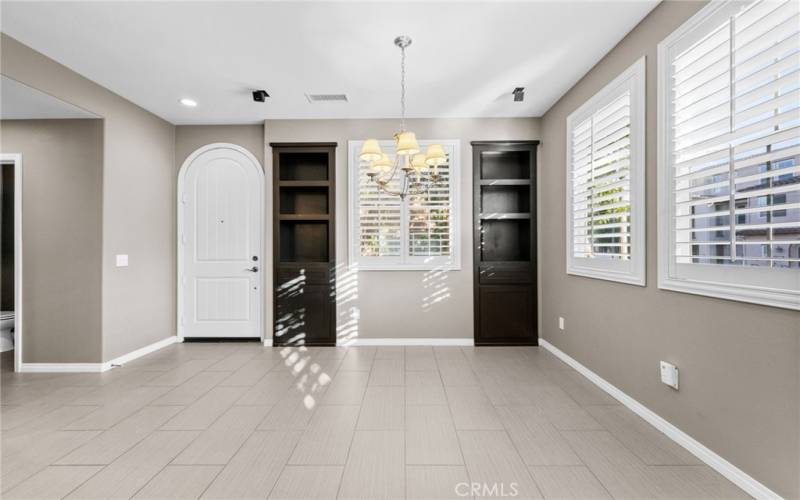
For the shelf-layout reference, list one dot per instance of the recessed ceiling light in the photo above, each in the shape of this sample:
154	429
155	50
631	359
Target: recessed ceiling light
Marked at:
189	103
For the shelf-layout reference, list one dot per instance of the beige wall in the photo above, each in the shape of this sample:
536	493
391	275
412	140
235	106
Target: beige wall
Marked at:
739	363
139	182
62	238
388	304
189	138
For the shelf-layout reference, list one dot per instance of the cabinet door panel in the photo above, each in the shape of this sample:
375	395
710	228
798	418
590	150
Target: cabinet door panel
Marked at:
506	314
303	315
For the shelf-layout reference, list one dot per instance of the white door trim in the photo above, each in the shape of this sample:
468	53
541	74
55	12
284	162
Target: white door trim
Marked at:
181	180
16	159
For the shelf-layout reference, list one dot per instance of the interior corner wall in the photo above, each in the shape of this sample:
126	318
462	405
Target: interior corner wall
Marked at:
139	182
397	304
739	363
62	162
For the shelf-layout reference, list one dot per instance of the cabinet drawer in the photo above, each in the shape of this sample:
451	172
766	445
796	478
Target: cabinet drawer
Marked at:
316	275
505	272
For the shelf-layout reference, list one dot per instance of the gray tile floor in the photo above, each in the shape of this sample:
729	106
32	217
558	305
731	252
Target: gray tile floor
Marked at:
238	420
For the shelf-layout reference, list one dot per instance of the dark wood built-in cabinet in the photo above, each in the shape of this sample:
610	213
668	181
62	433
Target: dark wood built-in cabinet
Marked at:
504	216
304	229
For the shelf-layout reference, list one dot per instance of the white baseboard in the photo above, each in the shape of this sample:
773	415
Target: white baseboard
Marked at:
96	367
138	353
267	342
716	462
62	367
359	341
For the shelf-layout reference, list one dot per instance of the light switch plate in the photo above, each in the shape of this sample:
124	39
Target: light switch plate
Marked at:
560	323
122	260
669	374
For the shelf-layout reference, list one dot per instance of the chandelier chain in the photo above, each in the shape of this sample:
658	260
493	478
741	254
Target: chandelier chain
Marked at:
402	89
418	172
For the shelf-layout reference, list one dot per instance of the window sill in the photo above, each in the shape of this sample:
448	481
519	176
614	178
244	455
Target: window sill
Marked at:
414	268
608	276
753	295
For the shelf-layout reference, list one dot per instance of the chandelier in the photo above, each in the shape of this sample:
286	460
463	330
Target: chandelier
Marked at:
419	171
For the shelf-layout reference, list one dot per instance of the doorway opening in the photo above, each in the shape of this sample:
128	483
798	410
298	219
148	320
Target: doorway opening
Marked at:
11	260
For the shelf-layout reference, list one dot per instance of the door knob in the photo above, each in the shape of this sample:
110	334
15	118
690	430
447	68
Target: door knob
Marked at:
253	269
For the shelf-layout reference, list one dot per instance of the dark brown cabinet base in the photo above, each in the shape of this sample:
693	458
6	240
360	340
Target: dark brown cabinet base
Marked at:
505	315
504	218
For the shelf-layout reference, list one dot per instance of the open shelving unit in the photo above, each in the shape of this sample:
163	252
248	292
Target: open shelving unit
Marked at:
504	213
303	241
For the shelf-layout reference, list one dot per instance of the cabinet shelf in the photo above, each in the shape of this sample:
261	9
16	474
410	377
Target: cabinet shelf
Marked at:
505	164
301	217
505	182
303	165
505	216
505	240
303	200
304	183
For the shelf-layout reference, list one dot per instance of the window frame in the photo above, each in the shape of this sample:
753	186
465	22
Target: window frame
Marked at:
632	271
765	286
405	262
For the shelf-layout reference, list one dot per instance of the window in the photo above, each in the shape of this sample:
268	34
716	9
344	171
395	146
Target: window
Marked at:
605	182
729	153
418	233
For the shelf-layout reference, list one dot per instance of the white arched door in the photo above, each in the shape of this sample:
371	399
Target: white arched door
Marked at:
220	243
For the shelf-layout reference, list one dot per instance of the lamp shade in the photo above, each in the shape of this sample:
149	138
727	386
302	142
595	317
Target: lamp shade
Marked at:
406	143
370	150
418	161
435	155
383	162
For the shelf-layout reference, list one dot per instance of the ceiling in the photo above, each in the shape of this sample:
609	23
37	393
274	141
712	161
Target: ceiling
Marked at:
21	102
465	60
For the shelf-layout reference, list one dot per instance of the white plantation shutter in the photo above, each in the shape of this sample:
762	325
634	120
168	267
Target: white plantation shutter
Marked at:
601	182
730	90
429	220
605	198
420	232
379	219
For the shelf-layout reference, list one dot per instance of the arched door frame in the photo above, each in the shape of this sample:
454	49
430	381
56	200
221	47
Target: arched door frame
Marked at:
180	201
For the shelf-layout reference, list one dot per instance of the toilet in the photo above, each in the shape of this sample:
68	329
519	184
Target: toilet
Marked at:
6	331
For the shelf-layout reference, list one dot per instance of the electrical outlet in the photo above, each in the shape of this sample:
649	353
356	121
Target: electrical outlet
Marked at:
560	323
122	260
669	374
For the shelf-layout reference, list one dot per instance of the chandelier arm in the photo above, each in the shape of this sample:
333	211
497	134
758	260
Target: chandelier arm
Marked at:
408	187
424	187
389	191
388	175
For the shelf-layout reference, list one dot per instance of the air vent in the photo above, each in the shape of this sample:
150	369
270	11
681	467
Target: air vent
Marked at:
326	97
